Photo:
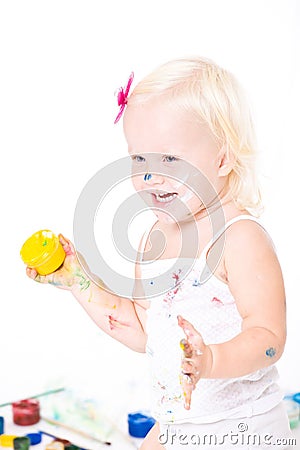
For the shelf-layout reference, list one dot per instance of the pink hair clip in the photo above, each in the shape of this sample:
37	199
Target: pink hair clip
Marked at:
122	97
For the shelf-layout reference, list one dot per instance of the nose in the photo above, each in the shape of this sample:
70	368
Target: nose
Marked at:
152	178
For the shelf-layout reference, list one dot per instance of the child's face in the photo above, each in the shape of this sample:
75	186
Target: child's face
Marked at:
161	141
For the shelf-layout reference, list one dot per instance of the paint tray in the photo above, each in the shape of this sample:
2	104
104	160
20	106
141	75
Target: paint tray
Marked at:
83	414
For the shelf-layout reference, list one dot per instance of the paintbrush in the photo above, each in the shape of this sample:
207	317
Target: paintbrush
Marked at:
53	391
64	441
61	440
74	430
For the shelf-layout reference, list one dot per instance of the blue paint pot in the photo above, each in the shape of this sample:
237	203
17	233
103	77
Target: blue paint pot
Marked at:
139	424
1	425
296	397
34	438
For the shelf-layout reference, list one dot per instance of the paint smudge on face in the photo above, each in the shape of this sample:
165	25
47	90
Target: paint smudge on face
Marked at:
271	352
147	176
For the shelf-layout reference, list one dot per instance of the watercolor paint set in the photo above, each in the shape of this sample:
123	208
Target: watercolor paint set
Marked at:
61	419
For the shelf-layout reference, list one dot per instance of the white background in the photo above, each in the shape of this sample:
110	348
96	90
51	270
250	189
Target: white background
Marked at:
61	62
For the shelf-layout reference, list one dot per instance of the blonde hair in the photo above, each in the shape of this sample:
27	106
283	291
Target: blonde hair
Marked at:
214	95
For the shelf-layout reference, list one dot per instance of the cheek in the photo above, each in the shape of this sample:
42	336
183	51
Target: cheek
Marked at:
185	192
188	197
193	202
192	199
136	183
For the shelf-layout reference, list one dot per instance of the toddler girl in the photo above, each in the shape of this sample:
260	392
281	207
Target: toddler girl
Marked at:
209	303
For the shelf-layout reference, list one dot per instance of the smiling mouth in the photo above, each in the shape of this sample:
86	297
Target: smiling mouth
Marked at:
164	198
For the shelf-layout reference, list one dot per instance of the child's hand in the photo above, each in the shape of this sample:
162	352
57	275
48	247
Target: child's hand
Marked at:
196	360
69	274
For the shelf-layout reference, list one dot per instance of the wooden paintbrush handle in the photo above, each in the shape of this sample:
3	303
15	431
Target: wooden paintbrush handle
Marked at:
74	430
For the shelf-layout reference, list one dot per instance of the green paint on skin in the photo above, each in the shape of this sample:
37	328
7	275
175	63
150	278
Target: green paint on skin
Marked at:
83	281
55	283
270	352
44	243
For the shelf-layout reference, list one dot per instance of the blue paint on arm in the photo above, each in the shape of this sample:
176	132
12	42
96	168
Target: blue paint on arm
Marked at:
270	352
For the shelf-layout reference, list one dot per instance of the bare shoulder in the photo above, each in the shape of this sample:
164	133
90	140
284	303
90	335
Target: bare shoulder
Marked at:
254	276
249	249
248	235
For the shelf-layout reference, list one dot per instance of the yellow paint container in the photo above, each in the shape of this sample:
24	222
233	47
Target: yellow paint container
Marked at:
43	252
7	440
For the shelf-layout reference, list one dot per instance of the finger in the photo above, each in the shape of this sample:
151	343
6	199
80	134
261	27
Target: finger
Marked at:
189	351
32	273
187	366
188	396
193	336
187	327
186	348
188	387
194	371
67	245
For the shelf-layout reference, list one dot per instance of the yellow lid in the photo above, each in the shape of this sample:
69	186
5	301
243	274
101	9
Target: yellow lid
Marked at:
43	251
38	247
7	440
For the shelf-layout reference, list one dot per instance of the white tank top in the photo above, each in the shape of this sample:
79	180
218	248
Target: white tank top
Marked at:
212	310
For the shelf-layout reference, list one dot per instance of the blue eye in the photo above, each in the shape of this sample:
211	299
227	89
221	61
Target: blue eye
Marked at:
170	158
138	158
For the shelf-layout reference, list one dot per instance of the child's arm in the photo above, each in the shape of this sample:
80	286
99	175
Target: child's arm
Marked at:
115	315
255	280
